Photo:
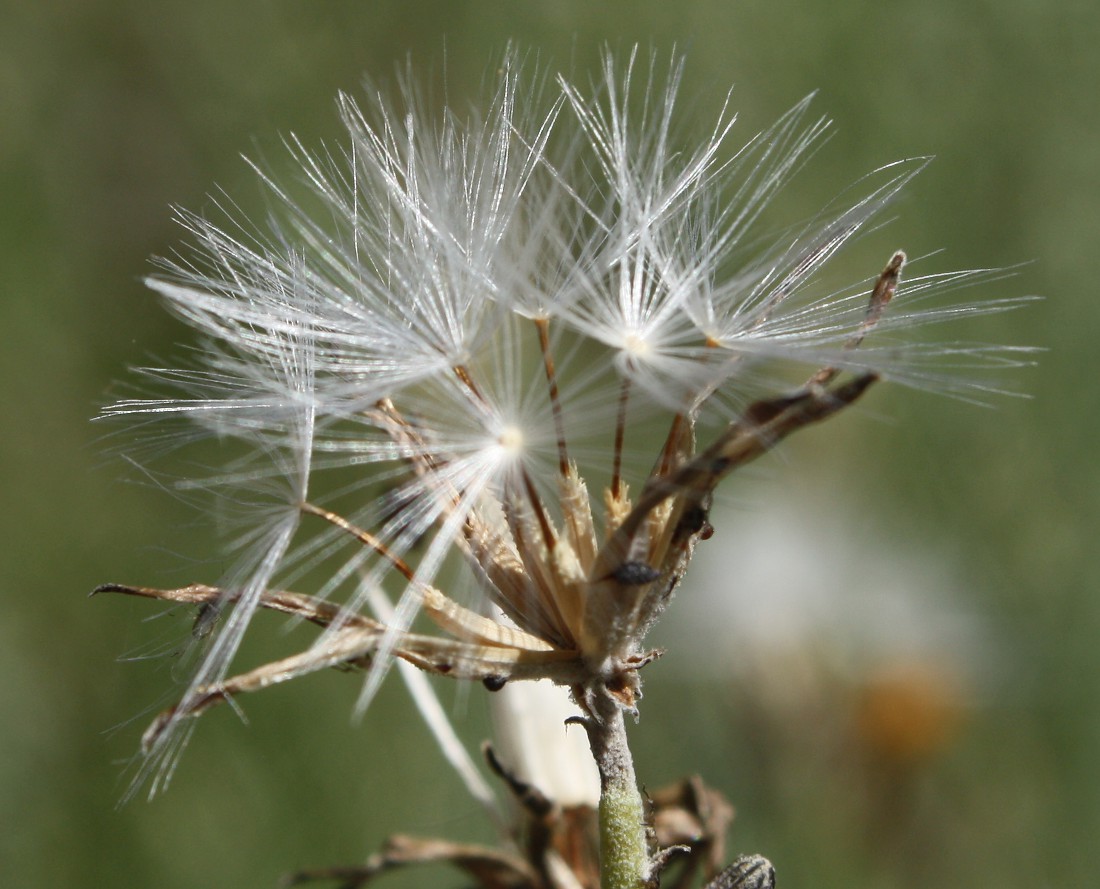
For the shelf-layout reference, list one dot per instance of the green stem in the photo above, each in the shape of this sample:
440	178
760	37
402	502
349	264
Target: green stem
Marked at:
624	853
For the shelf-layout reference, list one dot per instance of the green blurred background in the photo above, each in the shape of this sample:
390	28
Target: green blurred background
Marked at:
110	111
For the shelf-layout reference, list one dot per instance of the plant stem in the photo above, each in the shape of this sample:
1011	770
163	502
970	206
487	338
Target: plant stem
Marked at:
624	854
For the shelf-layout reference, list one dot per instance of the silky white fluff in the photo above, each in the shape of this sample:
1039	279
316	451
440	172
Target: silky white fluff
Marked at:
417	272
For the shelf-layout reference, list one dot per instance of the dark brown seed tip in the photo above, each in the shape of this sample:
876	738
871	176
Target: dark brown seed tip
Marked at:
108	588
635	574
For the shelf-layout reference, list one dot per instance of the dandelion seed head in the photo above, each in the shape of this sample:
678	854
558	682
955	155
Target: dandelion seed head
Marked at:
470	319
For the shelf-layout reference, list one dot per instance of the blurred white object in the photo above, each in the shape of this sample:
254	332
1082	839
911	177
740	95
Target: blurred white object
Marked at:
534	743
795	583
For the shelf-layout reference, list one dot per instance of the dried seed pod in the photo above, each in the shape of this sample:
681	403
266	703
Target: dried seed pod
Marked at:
747	872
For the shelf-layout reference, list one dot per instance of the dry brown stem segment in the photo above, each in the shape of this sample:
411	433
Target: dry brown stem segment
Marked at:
543	327
881	294
353	643
310	608
490	868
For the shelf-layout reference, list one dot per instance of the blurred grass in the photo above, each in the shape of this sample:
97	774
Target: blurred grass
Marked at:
112	111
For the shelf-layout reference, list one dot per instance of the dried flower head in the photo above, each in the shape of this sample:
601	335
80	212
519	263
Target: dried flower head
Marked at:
472	324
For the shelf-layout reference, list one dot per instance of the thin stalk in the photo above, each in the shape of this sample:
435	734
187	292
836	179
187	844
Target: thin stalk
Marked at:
543	326
364	537
620	435
672	442
463	373
546	528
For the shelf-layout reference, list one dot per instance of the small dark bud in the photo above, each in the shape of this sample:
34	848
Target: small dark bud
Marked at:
635	574
695	521
494	683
